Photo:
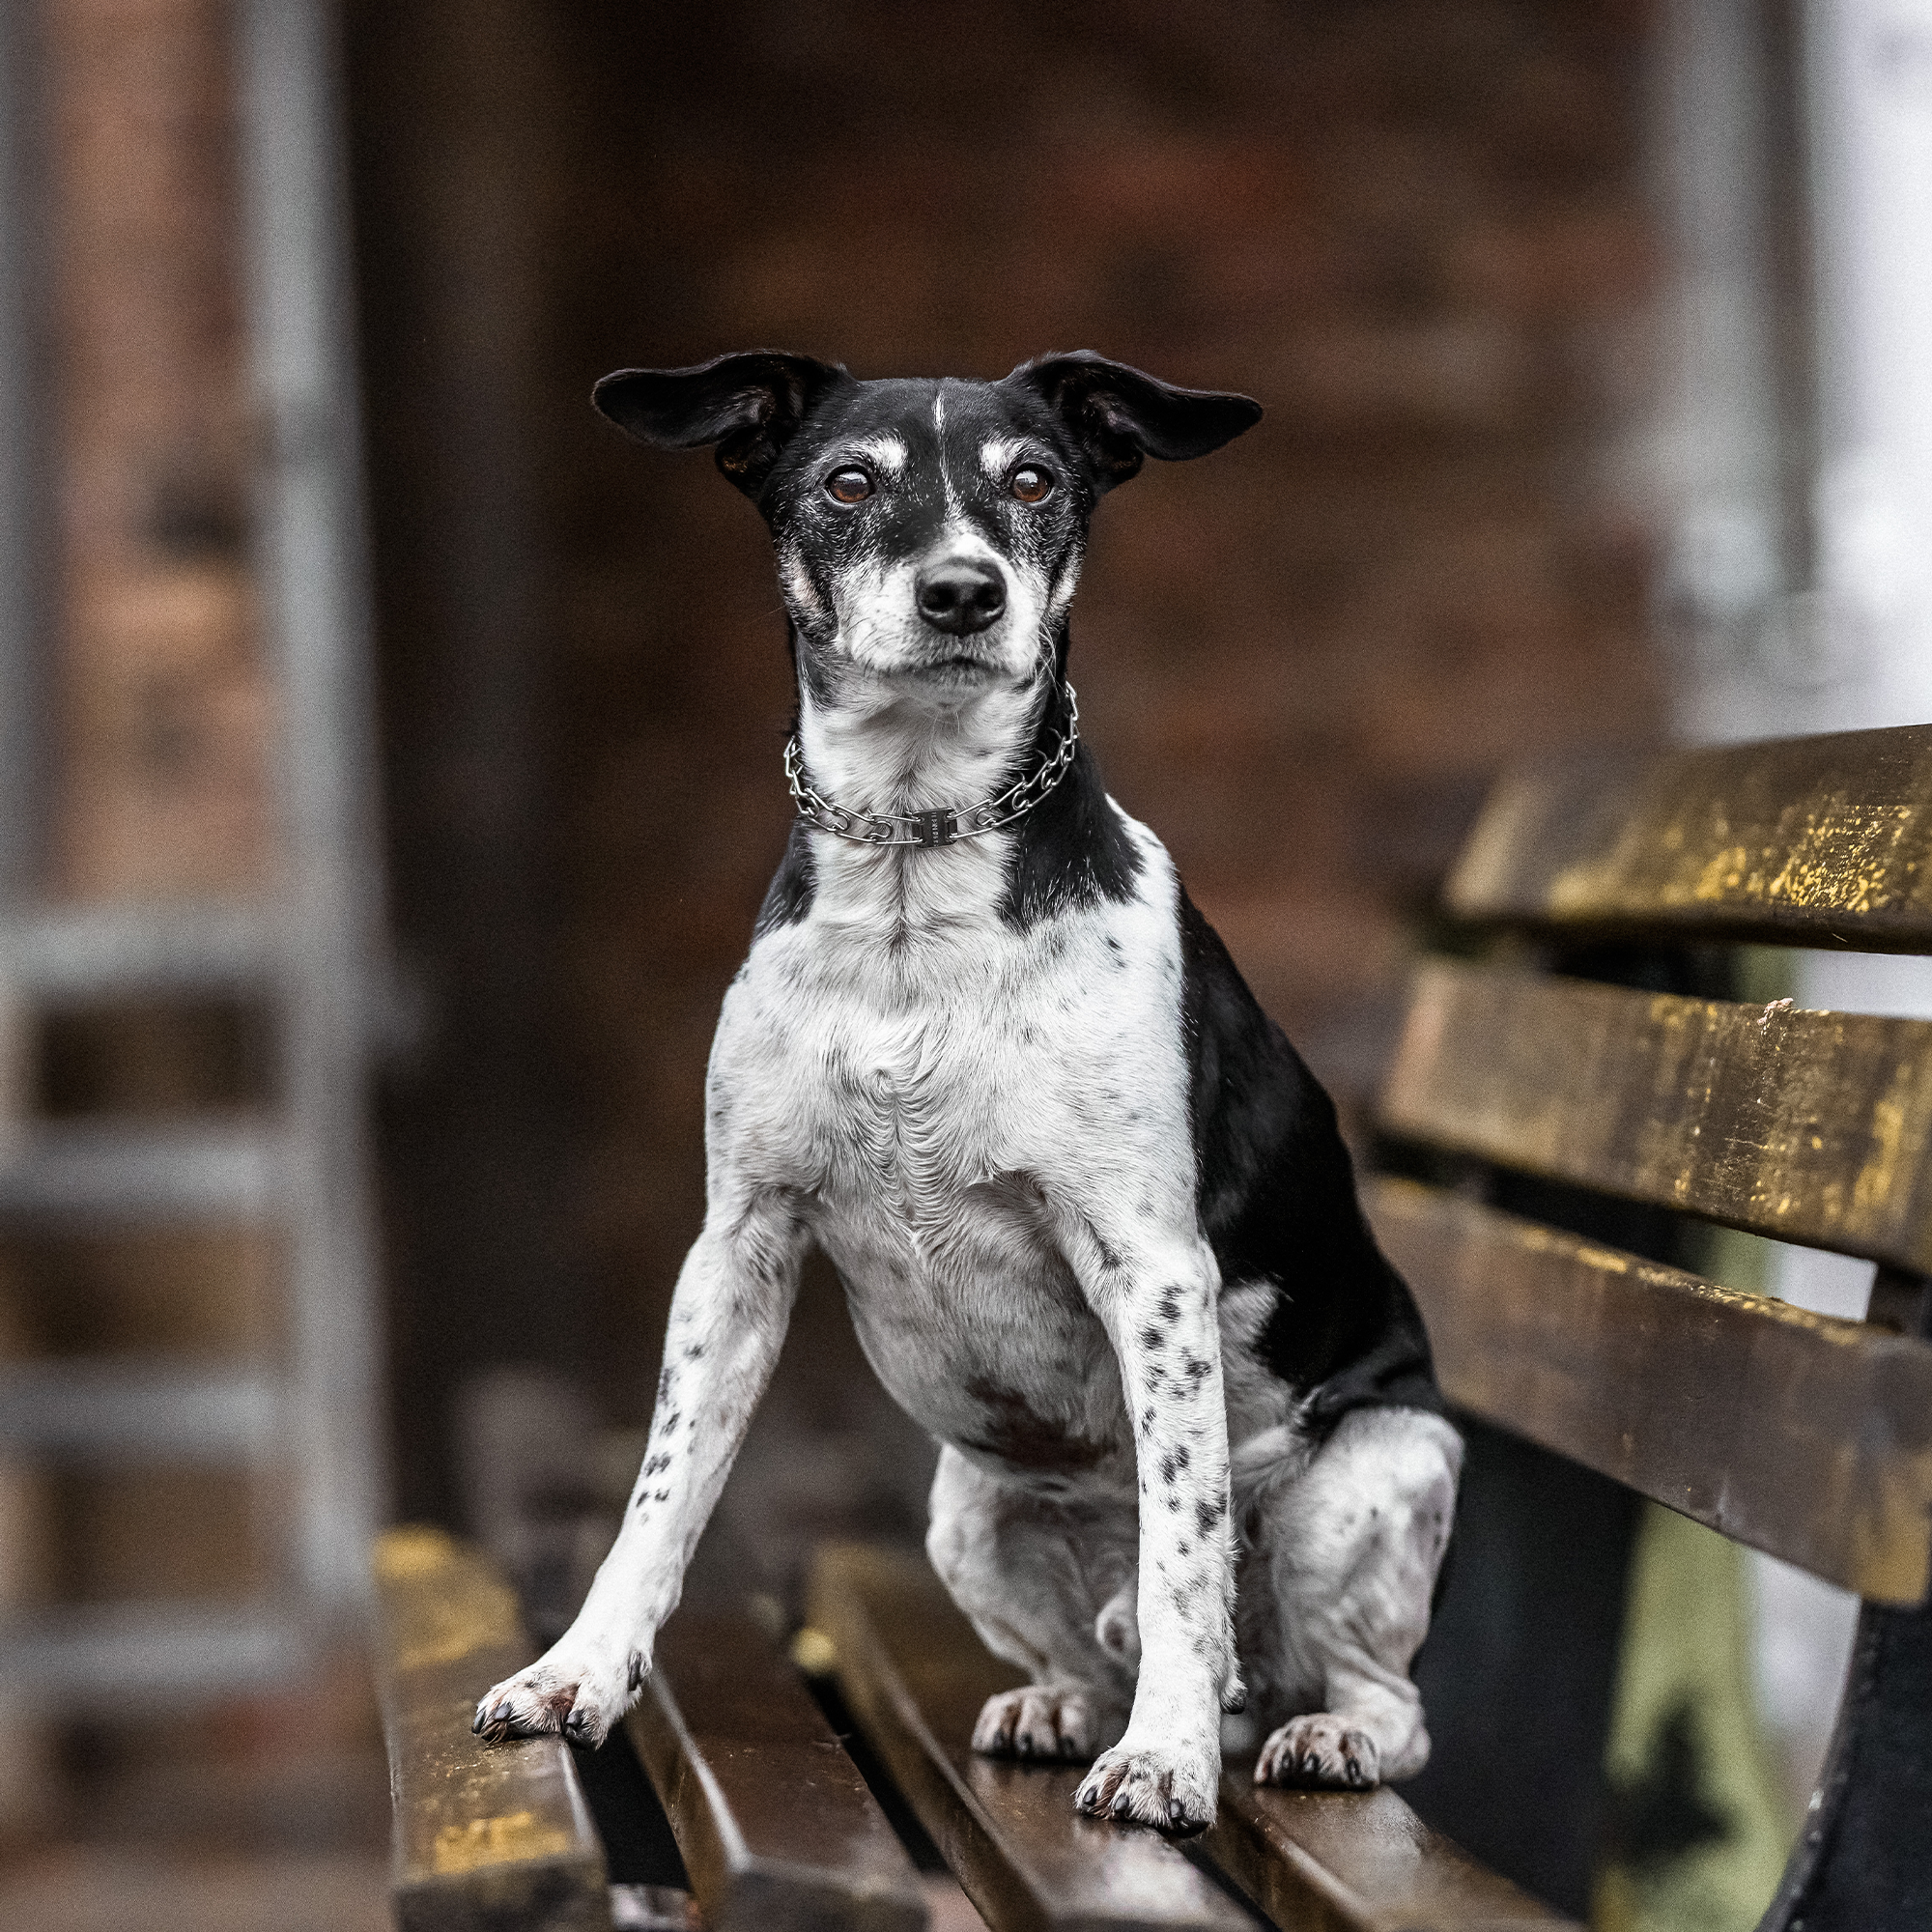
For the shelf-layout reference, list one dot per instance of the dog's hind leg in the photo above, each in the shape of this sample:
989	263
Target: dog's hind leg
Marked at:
1335	1594
1049	1585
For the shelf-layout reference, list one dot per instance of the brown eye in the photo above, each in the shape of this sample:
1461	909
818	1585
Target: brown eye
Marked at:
1028	484
848	486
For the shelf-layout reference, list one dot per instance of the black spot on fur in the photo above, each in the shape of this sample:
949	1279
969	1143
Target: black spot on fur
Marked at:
1208	1514
1167	1468
1152	1338
1012	1431
1170	1309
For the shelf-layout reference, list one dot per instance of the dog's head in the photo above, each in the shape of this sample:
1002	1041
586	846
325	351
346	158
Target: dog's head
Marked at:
929	533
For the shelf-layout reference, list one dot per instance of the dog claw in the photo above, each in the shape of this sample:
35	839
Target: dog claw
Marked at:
1173	1791
1036	1723
1321	1751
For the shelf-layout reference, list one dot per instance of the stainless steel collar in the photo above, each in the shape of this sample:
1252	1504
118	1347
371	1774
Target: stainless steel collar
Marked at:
947	825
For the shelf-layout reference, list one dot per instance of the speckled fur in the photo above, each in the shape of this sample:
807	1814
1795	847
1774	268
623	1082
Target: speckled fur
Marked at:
976	1102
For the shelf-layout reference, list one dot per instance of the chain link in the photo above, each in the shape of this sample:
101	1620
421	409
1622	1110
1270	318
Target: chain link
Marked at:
943	826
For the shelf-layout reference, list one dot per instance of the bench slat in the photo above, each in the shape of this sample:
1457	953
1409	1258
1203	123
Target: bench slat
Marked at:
486	1835
777	1828
915	1676
1799	1434
1809	841
1359	1864
1810	1127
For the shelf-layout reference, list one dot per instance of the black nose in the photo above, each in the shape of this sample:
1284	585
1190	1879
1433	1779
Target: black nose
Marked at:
960	597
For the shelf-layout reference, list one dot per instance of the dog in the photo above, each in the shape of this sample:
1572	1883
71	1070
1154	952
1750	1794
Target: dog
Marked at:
1096	1226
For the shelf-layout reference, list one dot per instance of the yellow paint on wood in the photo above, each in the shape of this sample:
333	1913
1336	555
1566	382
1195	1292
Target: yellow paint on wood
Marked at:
495	1841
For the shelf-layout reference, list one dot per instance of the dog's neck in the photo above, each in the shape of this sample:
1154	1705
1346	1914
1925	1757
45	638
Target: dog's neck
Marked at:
876	747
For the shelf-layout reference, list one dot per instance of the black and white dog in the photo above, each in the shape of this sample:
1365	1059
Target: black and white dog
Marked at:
1097	1230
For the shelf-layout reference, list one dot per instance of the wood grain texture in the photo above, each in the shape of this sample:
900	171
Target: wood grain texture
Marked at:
1811	841
777	1828
1799	1434
490	1836
1811	1128
915	1676
1347	1861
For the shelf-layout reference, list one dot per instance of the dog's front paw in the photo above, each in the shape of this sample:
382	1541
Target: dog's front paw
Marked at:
1153	1785
1038	1720
571	1691
1322	1751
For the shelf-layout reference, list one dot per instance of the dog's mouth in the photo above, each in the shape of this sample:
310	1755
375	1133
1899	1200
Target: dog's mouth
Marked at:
955	665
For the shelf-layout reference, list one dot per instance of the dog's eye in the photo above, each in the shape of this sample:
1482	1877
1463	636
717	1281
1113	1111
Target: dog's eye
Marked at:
848	486
1030	483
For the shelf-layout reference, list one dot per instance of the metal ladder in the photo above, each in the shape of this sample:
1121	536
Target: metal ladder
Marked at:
312	953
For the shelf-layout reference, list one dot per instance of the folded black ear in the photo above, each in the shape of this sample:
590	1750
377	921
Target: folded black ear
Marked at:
748	405
1119	416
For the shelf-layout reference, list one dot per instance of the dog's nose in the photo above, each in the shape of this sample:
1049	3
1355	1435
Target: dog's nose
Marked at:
960	597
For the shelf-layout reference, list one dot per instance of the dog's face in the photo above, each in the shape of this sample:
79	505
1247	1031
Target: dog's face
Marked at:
929	533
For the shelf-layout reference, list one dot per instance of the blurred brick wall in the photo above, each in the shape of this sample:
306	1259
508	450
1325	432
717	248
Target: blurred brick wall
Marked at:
1414	229
162	773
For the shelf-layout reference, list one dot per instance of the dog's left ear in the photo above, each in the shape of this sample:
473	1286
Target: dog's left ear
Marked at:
748	405
1119	416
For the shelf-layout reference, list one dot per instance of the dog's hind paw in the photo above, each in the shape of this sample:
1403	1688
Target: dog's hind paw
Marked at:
1038	1720
1173	1790
562	1694
1321	1751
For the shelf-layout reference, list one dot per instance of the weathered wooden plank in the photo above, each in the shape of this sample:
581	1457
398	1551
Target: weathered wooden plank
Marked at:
1811	841
1802	1436
1350	1861
915	1676
777	1830
1809	1127
493	1836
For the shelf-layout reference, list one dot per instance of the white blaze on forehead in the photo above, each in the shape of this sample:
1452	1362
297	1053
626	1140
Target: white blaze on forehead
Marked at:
888	452
944	474
999	455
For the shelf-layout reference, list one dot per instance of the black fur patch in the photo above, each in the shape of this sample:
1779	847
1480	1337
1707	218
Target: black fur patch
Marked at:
1276	1196
1071	851
789	896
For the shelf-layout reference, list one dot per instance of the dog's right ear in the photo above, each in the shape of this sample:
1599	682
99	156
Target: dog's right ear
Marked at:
748	405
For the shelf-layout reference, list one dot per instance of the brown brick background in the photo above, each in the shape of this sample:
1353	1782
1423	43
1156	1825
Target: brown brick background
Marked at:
1416	232
161	769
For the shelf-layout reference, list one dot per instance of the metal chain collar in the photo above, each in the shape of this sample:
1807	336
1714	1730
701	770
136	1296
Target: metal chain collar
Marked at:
943	826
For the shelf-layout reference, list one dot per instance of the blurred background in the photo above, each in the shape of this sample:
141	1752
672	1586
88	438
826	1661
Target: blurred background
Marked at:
389	753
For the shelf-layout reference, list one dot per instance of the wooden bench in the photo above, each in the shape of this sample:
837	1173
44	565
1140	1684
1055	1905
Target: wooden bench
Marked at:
1805	1437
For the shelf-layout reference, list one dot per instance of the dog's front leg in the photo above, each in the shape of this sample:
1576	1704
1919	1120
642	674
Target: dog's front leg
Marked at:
1158	1307
728	1322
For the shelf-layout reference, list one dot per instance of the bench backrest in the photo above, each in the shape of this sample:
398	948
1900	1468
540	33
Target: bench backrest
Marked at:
1803	1435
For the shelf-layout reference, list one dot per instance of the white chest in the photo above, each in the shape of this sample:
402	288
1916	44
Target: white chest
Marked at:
930	1089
